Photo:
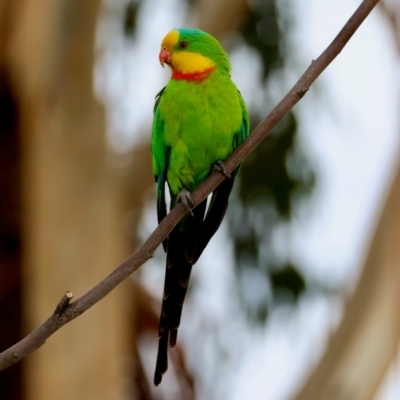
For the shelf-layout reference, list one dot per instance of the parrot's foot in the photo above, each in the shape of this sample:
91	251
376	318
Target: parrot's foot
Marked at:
220	167
185	198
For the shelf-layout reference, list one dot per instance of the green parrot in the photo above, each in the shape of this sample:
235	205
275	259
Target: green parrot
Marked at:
200	118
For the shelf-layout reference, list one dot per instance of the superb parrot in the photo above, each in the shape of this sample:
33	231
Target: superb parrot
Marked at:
200	118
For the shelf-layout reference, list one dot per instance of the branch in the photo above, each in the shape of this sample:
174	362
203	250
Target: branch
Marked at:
67	312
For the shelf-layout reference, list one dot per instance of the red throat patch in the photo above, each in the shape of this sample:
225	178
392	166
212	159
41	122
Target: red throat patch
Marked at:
193	77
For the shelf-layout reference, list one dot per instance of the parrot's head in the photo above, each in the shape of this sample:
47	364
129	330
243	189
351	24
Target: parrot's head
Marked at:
190	51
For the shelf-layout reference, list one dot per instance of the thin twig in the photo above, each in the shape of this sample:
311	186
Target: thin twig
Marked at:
63	304
36	338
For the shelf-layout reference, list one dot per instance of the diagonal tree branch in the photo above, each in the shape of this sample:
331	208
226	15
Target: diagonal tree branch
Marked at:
38	337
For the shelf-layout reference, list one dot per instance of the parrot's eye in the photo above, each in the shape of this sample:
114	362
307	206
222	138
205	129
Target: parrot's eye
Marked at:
183	45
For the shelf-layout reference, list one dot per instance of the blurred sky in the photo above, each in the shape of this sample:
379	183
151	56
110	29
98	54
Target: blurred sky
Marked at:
348	127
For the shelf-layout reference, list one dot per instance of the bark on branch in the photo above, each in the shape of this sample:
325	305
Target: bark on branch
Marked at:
38	337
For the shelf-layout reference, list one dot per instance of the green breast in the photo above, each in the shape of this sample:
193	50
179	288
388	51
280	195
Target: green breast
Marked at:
200	121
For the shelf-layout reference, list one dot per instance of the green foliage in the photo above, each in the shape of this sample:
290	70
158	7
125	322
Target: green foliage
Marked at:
272	180
288	278
261	31
130	14
265	172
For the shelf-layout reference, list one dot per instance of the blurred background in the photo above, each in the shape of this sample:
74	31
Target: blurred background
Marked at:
296	297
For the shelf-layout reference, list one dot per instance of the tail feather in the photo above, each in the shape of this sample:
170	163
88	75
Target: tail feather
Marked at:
193	228
181	242
173	334
185	244
215	215
162	358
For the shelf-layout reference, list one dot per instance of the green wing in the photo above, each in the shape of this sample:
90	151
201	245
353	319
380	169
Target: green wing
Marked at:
160	156
241	136
158	150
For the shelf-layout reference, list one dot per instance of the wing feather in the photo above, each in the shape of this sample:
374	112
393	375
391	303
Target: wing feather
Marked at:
160	156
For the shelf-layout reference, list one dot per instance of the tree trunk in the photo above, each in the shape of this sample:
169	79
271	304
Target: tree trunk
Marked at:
361	350
72	205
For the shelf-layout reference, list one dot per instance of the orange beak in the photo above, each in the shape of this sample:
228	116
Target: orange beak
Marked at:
165	56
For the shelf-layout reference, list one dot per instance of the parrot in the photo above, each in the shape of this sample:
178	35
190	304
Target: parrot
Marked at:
199	119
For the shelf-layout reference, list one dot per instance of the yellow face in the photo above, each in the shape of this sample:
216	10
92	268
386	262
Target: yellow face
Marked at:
174	55
170	40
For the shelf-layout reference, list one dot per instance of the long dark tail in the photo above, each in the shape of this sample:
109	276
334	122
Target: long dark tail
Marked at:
181	243
185	245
